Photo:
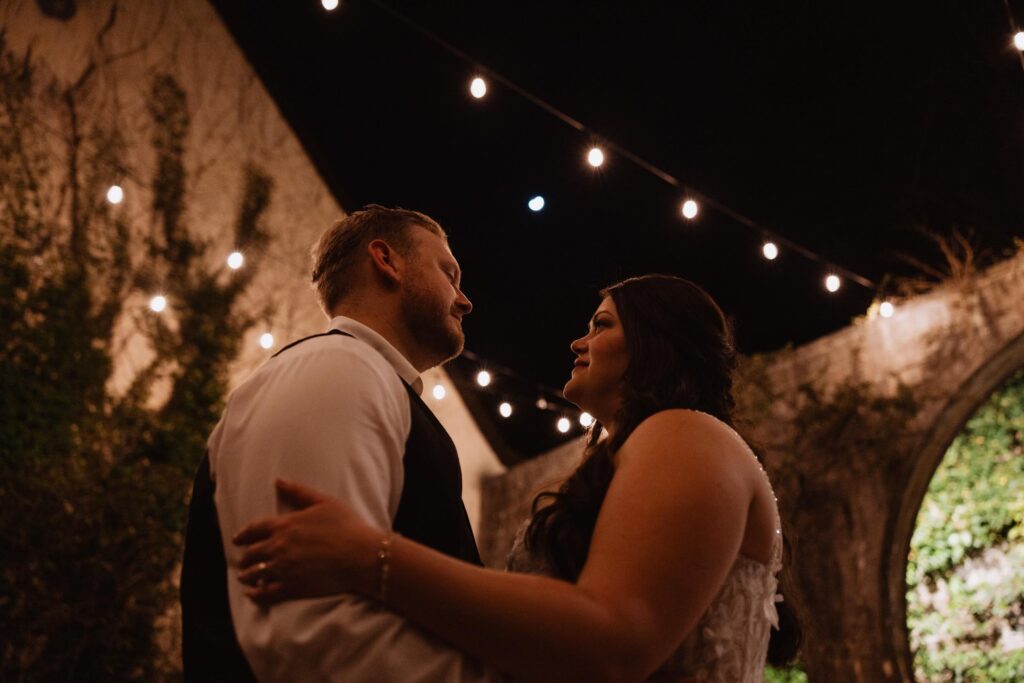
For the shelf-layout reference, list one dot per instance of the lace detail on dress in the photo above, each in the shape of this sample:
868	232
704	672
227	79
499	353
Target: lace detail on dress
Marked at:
730	642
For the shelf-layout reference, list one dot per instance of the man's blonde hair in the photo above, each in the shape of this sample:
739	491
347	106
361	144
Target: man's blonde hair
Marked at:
342	246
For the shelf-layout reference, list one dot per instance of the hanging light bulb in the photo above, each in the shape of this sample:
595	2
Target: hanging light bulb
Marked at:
770	250
235	260
266	340
439	391
542	403
536	204
158	303
586	419
690	209
832	283
483	378
478	87
595	157
505	409
886	309
1018	40
563	424
329	5
115	194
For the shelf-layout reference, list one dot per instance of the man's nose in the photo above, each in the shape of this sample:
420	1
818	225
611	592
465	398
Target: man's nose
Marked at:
463	303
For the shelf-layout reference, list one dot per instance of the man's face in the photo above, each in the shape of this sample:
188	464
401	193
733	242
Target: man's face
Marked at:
432	303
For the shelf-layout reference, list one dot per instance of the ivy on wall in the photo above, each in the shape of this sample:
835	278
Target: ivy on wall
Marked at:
965	575
93	484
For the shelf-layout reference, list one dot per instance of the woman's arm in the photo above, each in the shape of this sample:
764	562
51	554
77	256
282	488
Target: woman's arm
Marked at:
668	533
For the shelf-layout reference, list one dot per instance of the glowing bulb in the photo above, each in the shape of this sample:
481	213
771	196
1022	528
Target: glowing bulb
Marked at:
832	283
542	403
483	378
886	309
115	195
235	260
1018	40
329	5
536	204
690	209
158	303
595	157
439	392
770	251
478	87
563	424
505	409
266	340
586	419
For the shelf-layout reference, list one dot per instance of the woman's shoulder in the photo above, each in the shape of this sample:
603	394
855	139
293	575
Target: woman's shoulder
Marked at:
681	431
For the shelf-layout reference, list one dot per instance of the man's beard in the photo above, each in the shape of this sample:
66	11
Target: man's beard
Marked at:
431	322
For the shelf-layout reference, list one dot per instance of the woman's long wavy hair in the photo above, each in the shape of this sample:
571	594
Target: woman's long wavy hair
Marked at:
681	355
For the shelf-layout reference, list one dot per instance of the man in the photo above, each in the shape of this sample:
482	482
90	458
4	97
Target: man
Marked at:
339	411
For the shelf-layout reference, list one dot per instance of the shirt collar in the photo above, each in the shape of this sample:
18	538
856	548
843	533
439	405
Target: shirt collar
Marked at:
368	336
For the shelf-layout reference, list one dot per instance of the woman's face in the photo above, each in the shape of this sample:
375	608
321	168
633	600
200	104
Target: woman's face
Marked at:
601	361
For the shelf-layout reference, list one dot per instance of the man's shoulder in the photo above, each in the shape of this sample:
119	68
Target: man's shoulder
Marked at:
325	360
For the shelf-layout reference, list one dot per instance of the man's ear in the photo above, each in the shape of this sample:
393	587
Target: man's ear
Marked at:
386	261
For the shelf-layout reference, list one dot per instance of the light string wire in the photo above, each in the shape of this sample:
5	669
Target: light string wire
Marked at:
628	154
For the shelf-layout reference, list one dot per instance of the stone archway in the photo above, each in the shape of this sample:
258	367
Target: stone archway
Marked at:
961	405
852	427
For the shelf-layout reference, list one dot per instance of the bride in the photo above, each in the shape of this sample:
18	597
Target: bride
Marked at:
657	559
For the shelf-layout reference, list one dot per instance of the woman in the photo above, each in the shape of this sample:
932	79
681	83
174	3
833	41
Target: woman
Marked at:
656	559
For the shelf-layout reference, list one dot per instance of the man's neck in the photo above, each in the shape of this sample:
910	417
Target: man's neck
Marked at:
388	328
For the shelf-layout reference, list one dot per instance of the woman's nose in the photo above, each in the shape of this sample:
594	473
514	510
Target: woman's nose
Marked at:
579	346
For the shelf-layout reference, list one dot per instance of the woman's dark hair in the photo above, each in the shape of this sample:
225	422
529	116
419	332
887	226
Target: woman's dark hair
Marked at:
681	355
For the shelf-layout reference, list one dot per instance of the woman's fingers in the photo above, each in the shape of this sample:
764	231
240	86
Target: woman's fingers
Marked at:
256	531
297	495
256	553
267	594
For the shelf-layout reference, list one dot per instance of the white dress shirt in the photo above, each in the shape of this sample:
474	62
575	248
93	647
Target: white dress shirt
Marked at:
331	413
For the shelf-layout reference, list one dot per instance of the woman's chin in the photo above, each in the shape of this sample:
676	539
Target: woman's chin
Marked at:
572	393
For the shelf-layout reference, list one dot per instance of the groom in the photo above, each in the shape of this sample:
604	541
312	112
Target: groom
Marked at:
340	411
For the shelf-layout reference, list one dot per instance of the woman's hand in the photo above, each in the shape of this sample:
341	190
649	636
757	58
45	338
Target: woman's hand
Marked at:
323	548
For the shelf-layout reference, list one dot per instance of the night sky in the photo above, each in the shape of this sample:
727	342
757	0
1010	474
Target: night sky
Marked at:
846	127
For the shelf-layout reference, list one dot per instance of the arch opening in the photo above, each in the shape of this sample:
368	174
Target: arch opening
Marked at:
965	567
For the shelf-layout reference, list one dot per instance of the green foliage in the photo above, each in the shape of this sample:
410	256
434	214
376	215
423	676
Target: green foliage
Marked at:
791	674
965	575
93	485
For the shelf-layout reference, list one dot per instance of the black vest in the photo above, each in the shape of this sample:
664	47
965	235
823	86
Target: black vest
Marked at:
430	512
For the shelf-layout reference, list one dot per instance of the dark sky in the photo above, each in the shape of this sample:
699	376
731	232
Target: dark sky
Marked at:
846	127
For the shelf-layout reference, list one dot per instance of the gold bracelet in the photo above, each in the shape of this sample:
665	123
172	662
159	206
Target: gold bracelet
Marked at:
384	562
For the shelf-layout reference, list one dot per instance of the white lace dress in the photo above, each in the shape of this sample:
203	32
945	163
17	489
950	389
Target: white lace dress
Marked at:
730	641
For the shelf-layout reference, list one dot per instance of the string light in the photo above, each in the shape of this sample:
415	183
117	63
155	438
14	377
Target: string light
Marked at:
563	424
1018	40
266	340
886	309
115	194
586	419
536	204
483	378
832	283
439	391
329	5
158	303
505	409
542	403
478	87
770	250
235	260
690	209
595	156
